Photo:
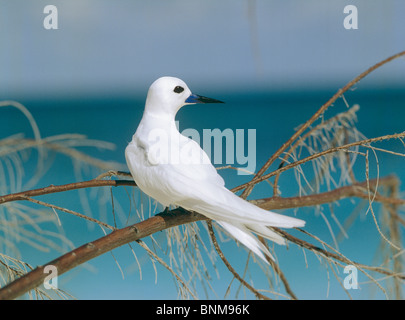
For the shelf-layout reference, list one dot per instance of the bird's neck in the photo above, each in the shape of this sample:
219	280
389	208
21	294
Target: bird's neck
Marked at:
158	116
164	121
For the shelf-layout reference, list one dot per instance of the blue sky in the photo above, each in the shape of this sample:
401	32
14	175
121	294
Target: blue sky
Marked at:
122	46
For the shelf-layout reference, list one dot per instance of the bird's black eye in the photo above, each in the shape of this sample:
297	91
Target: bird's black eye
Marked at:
178	89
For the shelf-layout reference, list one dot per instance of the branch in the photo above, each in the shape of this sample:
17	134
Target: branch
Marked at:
66	187
345	147
96	248
157	223
162	221
228	265
335	256
272	203
315	116
358	190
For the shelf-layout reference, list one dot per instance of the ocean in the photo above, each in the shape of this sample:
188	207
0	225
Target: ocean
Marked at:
272	115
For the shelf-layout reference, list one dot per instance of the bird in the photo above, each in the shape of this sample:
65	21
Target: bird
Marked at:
174	170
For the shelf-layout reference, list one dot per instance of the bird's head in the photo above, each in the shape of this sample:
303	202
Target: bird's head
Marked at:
168	94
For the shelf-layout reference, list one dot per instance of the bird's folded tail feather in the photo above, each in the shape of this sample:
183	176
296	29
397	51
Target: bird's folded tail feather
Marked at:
229	207
266	232
244	236
245	213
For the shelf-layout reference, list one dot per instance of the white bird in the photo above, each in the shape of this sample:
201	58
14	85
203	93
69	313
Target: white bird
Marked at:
174	170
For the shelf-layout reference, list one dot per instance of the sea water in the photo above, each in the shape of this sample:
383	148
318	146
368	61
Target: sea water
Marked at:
273	116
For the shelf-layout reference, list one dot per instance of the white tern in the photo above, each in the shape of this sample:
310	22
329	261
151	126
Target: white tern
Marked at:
174	170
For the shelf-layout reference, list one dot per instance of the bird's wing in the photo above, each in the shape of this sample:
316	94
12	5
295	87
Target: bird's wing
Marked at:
197	186
195	163
219	203
193	183
190	164
169	178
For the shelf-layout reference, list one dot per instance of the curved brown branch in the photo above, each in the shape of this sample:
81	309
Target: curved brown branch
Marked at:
157	223
65	187
177	217
272	203
355	190
96	248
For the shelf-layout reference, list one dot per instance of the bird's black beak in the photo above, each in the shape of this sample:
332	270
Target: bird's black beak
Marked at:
195	98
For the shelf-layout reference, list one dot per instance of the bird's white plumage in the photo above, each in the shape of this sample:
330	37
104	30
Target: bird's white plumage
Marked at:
173	169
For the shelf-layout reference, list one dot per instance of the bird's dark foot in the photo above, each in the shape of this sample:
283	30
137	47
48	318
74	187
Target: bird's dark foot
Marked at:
168	212
182	210
178	210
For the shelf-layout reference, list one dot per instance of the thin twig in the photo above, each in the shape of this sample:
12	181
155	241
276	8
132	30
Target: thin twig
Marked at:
315	116
70	212
320	154
177	217
228	265
157	258
65	187
279	272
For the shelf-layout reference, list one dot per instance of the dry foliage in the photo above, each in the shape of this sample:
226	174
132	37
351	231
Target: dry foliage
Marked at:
322	154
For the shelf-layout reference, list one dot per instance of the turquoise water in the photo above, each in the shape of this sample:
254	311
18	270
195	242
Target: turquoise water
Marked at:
274	117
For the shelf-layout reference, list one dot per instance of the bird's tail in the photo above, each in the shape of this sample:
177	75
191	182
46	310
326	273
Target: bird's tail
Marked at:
227	206
244	236
240	218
